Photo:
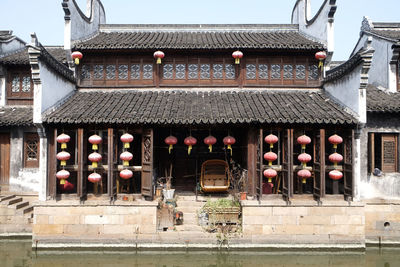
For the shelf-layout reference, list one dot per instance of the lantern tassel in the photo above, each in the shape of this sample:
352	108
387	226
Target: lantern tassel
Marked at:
190	149
170	148
269	180
63	163
320	64
62	181
304	181
237	60
94	164
230	148
125	163
159	60
63	145
271	146
95	147
269	163
126	145
210	148
77	61
304	165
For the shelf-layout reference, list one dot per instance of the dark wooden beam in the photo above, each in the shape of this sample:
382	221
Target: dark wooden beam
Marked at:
52	164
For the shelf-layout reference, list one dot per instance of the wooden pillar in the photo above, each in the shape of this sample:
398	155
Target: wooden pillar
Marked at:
81	180
147	163
112	184
252	160
52	165
371	152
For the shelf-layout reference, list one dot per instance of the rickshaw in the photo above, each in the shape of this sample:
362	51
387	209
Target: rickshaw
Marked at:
215	176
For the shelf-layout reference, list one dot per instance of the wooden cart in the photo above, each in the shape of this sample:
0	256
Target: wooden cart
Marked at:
214	176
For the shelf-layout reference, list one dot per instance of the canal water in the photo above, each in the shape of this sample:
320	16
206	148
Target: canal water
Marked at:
20	254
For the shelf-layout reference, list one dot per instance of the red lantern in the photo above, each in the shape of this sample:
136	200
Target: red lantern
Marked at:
126	174
95	158
335	175
237	55
76	56
190	141
303	141
126	139
210	141
126	157
270	156
321	55
67	186
229	141
171	141
63	139
158	55
335	158
271	139
95	140
304	158
62	175
335	140
63	156
94	177
304	174
270	173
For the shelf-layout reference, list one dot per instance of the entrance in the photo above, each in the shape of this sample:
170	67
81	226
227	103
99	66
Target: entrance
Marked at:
4	158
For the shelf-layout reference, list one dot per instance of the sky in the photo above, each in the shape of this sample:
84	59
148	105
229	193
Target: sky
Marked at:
46	17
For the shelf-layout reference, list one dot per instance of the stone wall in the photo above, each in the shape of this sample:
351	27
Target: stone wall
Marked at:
304	223
382	222
62	221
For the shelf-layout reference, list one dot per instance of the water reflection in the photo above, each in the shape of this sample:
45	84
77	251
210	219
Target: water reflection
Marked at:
19	253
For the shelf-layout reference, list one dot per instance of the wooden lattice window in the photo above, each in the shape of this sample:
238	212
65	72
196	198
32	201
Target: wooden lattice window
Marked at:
383	152
31	150
19	87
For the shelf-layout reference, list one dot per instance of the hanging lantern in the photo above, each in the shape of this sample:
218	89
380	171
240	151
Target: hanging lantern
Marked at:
271	139
270	173
304	158
125	174
210	141
63	139
95	158
304	174
63	156
270	157
67	186
237	55
158	55
335	140
335	158
94	177
76	56
229	141
321	56
190	141
303	141
95	140
171	141
126	139
62	175
335	175
126	157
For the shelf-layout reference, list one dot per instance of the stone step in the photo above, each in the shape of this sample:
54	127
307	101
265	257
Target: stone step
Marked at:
4	198
14	200
22	205
28	209
188	209
189	203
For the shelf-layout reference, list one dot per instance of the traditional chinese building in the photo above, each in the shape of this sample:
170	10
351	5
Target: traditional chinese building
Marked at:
146	102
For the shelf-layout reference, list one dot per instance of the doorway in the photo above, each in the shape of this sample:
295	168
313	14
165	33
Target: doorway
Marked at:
4	158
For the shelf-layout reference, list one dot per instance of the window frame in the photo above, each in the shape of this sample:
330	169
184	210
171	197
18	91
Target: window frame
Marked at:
20	97
29	163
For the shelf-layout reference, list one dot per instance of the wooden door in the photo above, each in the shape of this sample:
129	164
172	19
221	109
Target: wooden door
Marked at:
348	165
319	165
4	158
389	153
287	165
147	163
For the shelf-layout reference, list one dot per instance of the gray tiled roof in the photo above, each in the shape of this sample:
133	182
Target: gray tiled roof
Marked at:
5	36
16	116
22	57
199	37
200	106
390	30
381	101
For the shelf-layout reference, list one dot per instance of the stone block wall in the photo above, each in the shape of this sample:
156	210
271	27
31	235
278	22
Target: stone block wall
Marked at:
382	222
308	224
93	222
13	222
